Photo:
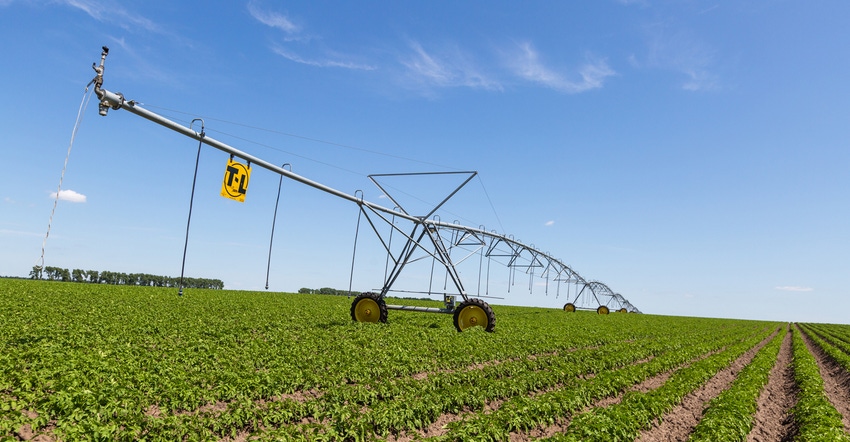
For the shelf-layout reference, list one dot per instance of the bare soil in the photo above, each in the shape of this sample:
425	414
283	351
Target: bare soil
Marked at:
562	424
773	421
678	424
26	432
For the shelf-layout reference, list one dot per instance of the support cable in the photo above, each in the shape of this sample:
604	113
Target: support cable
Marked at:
491	203
389	246
274	221
356	233
191	204
480	263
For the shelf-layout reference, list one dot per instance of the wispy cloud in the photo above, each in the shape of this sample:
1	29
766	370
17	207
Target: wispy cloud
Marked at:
293	34
449	68
112	11
525	63
794	288
550	223
70	196
322	63
273	19
426	68
681	52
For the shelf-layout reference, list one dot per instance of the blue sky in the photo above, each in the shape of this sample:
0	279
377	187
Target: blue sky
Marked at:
692	155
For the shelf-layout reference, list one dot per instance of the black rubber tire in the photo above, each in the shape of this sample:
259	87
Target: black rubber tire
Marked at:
602	310
469	314
569	307
368	316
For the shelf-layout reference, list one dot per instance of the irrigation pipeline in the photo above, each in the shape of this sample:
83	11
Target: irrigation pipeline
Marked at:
115	101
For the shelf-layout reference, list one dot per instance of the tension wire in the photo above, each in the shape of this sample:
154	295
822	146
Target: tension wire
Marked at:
356	234
191	203
274	220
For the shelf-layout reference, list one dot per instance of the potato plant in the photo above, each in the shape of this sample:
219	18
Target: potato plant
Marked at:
89	361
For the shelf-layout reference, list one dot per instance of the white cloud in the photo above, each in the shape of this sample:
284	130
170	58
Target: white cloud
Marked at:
111	11
273	19
424	65
451	68
69	195
550	223
793	288
326	63
526	64
293	34
681	52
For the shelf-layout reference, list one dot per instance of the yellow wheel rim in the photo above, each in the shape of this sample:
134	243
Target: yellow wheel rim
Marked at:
570	307
367	310
602	310
622	310
471	316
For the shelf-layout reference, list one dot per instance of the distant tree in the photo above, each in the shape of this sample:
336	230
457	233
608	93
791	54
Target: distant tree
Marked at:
305	290
35	273
52	273
118	278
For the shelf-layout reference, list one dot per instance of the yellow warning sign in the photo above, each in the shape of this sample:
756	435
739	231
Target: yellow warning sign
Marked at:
235	183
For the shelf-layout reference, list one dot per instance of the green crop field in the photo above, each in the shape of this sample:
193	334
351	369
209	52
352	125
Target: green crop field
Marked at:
98	362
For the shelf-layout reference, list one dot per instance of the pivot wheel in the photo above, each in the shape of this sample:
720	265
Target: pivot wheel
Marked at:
474	313
369	307
602	310
569	307
622	310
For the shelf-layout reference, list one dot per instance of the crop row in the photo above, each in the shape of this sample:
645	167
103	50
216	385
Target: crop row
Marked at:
831	340
729	416
418	407
814	415
838	330
524	413
638	410
354	411
125	363
399	404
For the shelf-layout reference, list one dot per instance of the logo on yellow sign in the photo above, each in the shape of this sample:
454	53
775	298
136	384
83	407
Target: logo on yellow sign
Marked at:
235	184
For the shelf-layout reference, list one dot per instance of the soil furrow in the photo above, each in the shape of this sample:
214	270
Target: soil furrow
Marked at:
561	424
678	424
773	421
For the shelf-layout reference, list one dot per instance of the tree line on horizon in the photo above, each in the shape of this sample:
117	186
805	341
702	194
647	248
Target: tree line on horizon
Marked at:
324	291
119	278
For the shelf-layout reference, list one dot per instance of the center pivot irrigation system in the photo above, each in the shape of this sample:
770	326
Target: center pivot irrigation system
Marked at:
429	237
